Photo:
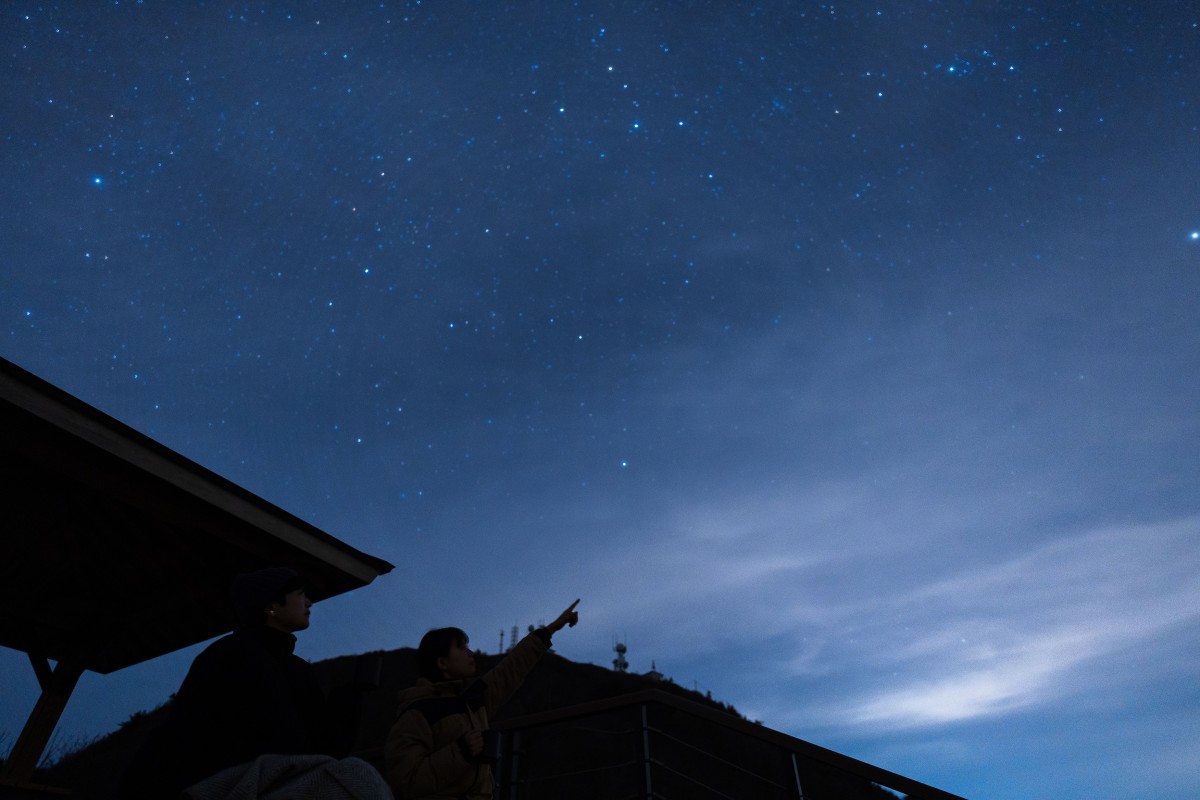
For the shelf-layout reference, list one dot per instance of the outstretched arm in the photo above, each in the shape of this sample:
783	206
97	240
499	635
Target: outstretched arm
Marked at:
499	684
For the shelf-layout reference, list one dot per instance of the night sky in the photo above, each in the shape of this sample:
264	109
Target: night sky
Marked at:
844	359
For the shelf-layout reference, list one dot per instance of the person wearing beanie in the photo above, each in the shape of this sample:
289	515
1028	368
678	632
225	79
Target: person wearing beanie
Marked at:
256	597
435	749
245	696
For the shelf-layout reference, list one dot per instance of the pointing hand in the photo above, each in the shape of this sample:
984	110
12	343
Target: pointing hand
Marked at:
569	617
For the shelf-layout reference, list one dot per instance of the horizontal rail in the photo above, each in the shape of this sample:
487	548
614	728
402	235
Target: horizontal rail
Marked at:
886	778
560	775
714	757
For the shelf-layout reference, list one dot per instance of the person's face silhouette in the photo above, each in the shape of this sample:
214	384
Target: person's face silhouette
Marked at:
292	615
458	663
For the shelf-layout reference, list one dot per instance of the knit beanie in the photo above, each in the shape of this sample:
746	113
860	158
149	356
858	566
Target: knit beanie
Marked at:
252	592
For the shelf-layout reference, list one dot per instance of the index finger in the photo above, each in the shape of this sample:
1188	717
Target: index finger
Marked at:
571	607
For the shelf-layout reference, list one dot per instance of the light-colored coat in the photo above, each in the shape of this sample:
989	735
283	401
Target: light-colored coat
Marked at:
423	757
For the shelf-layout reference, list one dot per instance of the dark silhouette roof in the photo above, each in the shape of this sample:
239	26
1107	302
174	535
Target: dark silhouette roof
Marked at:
118	550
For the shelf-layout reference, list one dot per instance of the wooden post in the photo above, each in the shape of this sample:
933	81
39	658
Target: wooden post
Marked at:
56	691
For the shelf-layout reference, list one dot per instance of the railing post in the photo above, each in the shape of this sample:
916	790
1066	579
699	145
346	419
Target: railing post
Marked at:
500	766
515	750
646	753
796	772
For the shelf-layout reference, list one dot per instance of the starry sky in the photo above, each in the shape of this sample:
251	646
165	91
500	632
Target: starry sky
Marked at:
843	358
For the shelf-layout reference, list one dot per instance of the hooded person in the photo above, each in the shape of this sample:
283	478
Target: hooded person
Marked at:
245	696
435	748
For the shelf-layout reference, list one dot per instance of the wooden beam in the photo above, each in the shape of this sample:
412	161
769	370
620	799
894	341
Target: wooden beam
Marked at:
41	668
42	720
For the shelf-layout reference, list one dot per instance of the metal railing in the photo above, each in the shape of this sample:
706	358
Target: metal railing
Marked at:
653	745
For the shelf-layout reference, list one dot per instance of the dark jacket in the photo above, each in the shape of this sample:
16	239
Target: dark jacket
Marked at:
245	695
423	756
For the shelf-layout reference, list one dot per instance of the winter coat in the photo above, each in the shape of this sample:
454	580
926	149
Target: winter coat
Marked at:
245	695
423	756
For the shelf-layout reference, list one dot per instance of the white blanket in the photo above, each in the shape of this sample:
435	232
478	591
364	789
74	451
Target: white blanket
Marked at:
314	777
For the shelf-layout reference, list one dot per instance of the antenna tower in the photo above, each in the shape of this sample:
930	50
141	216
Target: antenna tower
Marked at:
619	663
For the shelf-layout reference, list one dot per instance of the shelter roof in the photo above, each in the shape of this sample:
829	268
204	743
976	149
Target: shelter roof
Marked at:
117	549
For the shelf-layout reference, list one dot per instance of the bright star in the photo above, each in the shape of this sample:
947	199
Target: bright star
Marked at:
1194	236
97	180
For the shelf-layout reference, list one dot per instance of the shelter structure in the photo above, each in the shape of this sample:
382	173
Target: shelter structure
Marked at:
116	549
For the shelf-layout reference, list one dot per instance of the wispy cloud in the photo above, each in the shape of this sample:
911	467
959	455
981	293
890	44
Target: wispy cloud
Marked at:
885	631
1010	635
